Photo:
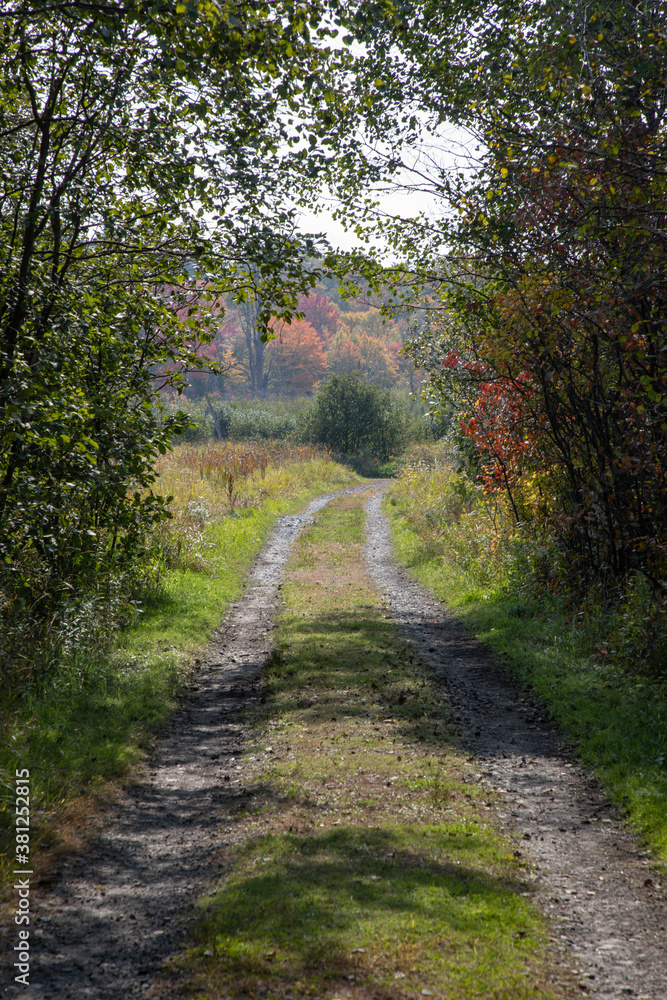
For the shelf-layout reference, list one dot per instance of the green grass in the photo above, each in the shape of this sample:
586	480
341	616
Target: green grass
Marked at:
100	712
617	721
370	862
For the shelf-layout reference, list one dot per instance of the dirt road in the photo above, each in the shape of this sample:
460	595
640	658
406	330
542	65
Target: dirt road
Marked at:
108	919
595	882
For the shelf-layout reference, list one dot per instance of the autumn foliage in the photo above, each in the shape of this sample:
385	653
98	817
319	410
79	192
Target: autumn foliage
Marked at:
299	358
322	314
553	346
359	352
300	353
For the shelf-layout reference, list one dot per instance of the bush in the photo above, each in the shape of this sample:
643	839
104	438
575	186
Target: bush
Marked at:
351	416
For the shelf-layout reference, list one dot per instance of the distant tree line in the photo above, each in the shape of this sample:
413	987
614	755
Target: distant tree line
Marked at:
304	351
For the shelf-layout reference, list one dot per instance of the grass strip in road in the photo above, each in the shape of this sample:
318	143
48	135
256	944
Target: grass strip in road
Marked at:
617	721
94	720
363	861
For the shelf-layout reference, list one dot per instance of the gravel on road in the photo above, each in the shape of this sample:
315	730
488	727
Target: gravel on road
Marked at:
106	922
607	909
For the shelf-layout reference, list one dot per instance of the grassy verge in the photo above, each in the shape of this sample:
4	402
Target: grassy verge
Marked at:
100	712
369	862
617	721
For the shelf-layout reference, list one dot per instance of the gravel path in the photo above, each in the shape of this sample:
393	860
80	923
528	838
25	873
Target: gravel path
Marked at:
594	881
102	928
110	918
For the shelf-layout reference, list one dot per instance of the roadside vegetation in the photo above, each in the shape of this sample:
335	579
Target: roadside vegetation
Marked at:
98	704
541	287
587	662
363	423
539	277
365	859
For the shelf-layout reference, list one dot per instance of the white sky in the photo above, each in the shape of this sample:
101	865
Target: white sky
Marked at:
404	205
451	150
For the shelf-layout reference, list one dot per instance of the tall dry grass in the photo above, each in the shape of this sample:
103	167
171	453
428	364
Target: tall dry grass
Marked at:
454	517
211	482
235	465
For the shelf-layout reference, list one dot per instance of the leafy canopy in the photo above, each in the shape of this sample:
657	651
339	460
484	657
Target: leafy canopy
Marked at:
545	261
146	148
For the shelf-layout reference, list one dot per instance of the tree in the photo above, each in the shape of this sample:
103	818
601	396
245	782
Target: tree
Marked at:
350	416
298	358
140	151
350	352
571	315
254	333
322	314
550	333
372	323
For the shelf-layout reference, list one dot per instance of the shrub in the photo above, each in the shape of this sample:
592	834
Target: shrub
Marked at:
351	416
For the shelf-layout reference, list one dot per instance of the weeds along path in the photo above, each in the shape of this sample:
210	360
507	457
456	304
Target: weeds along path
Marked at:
105	922
604	900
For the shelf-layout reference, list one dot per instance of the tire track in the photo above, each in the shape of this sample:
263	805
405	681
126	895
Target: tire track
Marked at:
607	912
107	920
